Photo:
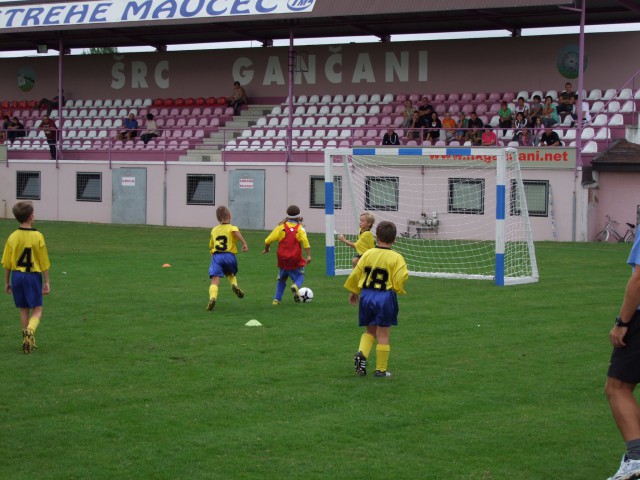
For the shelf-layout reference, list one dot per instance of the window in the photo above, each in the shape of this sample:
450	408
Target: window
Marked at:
381	193
28	185
466	195
88	187
201	189
536	193
317	192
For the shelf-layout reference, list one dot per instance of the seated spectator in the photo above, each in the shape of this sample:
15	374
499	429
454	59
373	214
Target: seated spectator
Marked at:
489	137
519	125
461	128
238	98
566	102
151	130
5	126
417	123
522	107
391	137
538	130
474	134
49	105
407	113
525	139
434	127
586	115
449	127
15	129
425	108
131	126
504	115
535	110
549	138
549	112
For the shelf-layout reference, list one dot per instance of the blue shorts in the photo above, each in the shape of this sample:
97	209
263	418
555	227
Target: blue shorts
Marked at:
293	274
378	308
223	264
27	289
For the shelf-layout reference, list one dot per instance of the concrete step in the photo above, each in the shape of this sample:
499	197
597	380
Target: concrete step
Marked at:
196	156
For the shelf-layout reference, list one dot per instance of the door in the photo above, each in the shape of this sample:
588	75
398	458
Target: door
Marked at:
246	198
129	196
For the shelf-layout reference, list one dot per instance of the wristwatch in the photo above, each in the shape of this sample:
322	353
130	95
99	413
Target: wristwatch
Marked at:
620	323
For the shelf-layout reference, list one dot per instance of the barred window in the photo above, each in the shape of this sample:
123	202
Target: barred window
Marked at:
317	192
536	193
28	185
201	189
88	187
382	193
466	195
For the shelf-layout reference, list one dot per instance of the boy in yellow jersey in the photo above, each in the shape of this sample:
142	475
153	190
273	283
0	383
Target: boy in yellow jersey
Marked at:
222	246
365	240
374	283
26	261
291	238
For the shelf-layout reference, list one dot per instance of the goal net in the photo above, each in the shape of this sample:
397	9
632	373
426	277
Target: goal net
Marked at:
460	212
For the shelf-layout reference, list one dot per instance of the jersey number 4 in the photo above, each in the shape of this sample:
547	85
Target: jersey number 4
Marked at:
376	278
25	260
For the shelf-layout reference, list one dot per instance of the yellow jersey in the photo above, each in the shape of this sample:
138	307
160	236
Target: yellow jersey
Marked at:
379	268
26	251
222	239
365	241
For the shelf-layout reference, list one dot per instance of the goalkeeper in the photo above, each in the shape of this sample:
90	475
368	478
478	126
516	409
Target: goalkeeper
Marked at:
374	284
366	240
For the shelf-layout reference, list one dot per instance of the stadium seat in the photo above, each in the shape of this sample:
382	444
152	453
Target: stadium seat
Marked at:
603	133
338	99
211	101
350	99
613	106
314	99
221	101
628	107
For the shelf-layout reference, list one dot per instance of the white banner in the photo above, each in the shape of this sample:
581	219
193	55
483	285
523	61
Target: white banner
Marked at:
96	12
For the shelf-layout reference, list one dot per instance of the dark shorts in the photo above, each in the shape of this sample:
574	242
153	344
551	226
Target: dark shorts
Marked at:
27	289
378	308
223	264
625	362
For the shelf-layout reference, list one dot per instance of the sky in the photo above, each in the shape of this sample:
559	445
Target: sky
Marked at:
626	27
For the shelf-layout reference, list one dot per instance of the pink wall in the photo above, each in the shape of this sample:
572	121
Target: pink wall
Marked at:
497	64
617	195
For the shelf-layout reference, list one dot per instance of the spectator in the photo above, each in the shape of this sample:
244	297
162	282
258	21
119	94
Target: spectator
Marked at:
519	125
433	133
489	137
50	130
391	137
407	113
549	112
461	128
538	130
131	125
504	114
425	109
15	129
49	105
586	116
5	126
449	126
417	123
151	130
522	107
549	138
525	139
566	102
238	98
474	134
535	110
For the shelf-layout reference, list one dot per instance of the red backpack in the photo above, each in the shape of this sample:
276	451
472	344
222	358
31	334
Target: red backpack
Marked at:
289	250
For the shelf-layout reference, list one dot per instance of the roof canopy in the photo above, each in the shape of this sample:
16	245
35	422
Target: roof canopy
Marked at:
24	25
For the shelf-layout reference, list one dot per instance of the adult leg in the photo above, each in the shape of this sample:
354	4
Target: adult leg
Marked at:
624	407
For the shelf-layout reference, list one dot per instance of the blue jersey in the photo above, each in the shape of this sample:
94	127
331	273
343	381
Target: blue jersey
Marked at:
634	256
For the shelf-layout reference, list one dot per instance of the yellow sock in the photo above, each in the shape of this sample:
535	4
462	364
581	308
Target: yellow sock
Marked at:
232	280
382	357
33	323
366	344
213	291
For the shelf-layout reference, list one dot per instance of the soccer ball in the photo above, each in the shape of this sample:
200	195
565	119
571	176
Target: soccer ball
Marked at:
306	294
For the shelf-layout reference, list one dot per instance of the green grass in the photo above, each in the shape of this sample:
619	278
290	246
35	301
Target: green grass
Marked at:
134	379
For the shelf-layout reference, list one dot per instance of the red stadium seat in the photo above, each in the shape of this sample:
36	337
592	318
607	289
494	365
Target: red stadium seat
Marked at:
200	101
211	101
158	102
5	104
14	104
189	102
22	104
32	104
168	102
222	101
179	101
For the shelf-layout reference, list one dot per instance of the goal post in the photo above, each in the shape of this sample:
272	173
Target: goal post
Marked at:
460	212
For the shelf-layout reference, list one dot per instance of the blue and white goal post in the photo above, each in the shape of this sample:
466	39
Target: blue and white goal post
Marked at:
460	212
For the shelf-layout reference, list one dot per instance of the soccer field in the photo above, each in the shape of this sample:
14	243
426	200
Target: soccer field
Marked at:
134	379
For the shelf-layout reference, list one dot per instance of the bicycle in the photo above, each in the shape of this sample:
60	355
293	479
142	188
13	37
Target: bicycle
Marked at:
609	230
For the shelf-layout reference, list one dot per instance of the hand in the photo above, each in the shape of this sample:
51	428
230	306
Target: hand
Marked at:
266	250
341	237
309	259
245	248
7	288
616	336
353	299
46	288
